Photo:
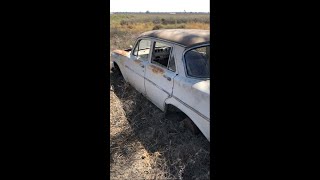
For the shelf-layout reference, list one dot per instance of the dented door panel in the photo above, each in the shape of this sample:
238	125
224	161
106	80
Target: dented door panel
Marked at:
159	84
158	78
137	63
136	71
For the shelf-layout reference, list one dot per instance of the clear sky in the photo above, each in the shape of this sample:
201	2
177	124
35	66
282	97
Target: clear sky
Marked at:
159	5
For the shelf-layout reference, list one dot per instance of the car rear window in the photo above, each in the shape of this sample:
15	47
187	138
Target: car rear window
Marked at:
197	62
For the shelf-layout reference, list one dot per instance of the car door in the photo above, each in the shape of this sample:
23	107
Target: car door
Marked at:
138	59
160	73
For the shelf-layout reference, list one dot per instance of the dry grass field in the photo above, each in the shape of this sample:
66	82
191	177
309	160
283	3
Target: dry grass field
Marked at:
124	28
145	144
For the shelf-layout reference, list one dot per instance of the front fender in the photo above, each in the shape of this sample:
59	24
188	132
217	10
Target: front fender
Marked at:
111	64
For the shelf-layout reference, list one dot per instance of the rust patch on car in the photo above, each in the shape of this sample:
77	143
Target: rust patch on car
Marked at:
121	52
137	61
156	69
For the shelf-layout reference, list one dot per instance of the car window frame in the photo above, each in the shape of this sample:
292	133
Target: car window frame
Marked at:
137	43
171	55
185	63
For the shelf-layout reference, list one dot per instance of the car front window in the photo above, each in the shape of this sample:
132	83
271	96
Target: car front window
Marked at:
142	49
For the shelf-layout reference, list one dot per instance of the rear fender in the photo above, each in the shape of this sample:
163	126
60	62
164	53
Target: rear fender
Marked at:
202	123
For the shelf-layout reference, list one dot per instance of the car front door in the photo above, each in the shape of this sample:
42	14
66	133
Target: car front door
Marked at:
137	63
160	73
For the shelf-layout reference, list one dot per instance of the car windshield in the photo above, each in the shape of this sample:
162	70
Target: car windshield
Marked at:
197	62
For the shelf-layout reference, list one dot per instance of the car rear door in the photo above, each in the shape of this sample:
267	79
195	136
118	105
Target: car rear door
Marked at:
160	73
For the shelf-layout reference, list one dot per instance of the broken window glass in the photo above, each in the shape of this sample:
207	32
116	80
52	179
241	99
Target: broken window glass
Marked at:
161	54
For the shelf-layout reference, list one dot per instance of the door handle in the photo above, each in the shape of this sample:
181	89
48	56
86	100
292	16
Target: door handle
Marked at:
168	78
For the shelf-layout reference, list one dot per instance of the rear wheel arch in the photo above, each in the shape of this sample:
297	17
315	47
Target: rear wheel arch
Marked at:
169	108
172	104
180	115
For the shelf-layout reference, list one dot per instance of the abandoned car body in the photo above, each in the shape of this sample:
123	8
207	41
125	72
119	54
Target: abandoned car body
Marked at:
171	68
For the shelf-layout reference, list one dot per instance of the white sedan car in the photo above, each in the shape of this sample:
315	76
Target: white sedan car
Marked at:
171	68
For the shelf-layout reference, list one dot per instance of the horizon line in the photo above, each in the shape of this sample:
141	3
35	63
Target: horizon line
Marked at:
163	11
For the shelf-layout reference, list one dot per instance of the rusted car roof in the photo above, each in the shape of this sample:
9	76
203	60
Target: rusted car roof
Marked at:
185	37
